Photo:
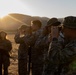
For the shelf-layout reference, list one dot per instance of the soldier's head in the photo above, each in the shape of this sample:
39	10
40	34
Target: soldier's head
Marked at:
22	29
52	22
35	25
3	35
69	27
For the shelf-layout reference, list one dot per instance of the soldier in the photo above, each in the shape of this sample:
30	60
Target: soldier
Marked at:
27	36
39	50
50	23
23	49
62	57
5	48
36	31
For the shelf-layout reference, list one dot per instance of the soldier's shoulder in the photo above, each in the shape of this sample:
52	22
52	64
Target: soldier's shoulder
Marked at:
70	48
8	41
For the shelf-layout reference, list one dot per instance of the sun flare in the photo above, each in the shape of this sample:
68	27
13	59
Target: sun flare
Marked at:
3	15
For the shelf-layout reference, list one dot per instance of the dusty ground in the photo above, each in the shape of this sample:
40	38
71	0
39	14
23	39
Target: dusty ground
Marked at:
13	68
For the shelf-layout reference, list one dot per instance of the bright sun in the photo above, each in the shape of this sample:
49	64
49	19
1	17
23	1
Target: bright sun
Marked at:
3	15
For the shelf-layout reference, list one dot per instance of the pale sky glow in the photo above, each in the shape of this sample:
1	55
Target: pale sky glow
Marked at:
13	6
43	8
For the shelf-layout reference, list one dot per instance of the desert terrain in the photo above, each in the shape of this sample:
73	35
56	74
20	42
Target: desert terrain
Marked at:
13	68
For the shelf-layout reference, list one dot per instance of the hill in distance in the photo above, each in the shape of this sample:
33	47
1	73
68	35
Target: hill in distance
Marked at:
12	21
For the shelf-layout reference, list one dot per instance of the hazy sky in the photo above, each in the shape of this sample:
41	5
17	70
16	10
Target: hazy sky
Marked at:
43	8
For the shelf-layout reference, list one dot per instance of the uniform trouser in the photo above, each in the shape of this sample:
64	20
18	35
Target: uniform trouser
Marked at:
5	70
0	67
37	68
4	61
22	66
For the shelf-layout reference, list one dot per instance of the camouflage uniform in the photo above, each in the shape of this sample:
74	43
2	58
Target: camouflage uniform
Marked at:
62	55
47	58
60	58
22	54
38	52
31	42
5	48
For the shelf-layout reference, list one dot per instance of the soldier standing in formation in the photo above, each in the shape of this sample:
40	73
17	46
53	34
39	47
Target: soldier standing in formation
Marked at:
23	49
50	23
52	54
36	31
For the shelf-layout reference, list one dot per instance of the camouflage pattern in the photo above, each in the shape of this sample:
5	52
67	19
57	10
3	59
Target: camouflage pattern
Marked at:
70	22
41	47
60	57
5	48
39	50
31	42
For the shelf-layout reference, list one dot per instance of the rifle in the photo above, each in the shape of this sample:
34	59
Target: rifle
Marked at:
29	60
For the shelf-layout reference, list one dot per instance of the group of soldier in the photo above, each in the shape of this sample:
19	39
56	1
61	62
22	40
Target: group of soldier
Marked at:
48	50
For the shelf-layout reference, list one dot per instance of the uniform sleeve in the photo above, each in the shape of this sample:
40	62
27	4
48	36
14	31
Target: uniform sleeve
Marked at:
63	55
55	50
18	39
31	40
59	55
9	46
68	53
